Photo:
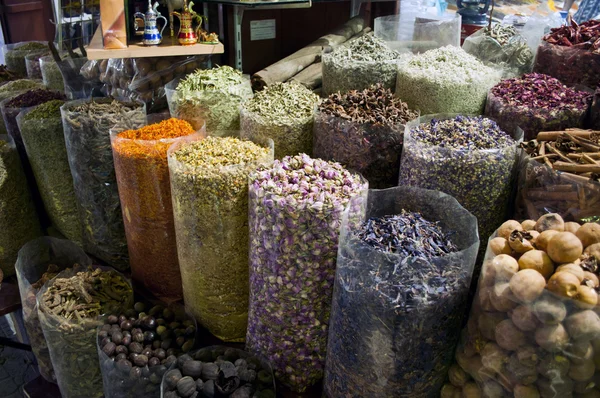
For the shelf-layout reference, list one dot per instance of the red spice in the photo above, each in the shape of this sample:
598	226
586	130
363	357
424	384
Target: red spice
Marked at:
586	35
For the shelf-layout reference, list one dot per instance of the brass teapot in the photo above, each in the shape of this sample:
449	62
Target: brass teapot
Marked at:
188	35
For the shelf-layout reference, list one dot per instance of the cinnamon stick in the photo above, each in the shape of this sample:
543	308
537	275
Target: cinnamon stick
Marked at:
576	168
554	135
550	196
561	155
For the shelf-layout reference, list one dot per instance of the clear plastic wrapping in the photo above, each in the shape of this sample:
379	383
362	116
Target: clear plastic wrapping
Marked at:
44	142
293	248
571	65
372	150
224	371
32	264
51	75
481	180
72	343
210	206
18	219
543	190
220	110
532	121
289	140
395	320
533	329
14	54
142	174
91	161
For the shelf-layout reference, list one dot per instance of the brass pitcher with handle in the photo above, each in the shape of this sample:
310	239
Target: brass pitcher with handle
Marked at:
188	35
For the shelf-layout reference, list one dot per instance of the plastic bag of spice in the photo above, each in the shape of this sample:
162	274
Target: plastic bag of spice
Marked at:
211	96
70	309
14	54
219	371
468	157
209	182
536	102
14	88
363	130
295	214
533	329
594	115
19	222
283	112
42	133
142	172
39	261
359	64
51	75
87	125
32	63
404	268
131	368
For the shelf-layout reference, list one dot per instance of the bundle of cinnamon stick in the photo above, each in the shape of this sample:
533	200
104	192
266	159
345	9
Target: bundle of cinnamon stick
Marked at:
569	185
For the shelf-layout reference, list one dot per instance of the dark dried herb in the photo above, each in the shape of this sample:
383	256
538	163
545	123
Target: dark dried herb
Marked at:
585	35
363	131
6	75
34	97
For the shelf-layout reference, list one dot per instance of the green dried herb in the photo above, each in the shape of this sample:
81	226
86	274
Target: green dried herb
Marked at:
51	75
209	182
283	112
212	96
71	309
18	219
6	75
15	58
43	137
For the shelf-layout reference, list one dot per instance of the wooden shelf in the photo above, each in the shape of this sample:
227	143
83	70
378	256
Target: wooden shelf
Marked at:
168	48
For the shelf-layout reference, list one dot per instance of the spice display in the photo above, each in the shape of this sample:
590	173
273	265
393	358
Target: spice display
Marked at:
445	80
470	158
211	96
400	294
503	47
283	112
86	125
51	75
532	327
6	75
218	371
363	131
571	53
32	64
359	64
560	174
18	219
209	183
70	309
42	133
14	55
142	172
14	88
39	261
295	215
536	102
136	348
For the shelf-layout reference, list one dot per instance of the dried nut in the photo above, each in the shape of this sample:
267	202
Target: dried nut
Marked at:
527	285
593	251
587	298
192	368
572	269
564	247
550	221
457	376
580	352
471	390
583	371
522	391
572	227
537	260
505	267
552	338
520	241
508	336
508	227
524	318
487	323
493	357
500	246
492	389
449	391
584	325
590	279
541	243
186	386
589	233
564	284
549	310
502	298
528	225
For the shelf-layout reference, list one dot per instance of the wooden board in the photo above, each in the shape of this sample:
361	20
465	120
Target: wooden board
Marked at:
168	48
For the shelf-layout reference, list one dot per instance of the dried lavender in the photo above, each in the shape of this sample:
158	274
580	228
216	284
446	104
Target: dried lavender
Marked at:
358	64
445	80
212	96
283	112
363	131
470	158
400	294
295	215
537	102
